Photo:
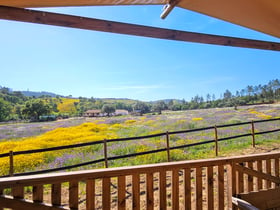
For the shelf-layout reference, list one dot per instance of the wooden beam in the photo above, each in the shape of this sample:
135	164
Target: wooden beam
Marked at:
257	174
48	18
9	202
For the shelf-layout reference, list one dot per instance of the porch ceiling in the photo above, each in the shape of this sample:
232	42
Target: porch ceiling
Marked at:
259	15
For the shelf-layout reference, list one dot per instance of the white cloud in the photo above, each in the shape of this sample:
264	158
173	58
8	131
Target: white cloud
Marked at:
135	87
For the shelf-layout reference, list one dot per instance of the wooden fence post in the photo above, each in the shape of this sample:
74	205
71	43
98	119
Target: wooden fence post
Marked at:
167	146
105	153
216	140
11	172
253	134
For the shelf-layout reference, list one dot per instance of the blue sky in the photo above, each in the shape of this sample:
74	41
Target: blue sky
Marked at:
85	63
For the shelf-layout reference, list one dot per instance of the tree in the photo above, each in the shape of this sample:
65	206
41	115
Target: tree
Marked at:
159	106
108	109
5	109
141	107
34	108
208	97
227	95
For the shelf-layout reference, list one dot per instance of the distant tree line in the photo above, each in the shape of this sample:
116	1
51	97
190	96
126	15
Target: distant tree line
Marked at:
14	105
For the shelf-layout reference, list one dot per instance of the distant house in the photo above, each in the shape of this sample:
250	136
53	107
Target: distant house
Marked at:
93	113
119	112
136	113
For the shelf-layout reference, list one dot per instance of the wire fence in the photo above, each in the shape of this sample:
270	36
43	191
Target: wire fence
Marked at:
167	148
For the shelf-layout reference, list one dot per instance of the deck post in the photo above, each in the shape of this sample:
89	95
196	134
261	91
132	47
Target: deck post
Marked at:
167	146
253	134
105	153
11	171
216	140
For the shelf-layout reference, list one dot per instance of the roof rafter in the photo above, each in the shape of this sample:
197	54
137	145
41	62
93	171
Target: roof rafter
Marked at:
49	18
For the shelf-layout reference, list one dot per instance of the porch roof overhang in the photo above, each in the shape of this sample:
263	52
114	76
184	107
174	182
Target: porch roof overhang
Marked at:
259	15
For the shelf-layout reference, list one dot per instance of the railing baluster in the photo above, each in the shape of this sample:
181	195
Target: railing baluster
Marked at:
56	194
162	189
241	181
198	186
18	192
37	193
121	193
268	171
210	188
277	168
175	189
221	192
260	169
90	194
136	191
150	190
250	178
74	195
233	184
106	193
187	186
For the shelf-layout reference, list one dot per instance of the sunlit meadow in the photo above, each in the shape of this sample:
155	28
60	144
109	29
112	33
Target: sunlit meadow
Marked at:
18	137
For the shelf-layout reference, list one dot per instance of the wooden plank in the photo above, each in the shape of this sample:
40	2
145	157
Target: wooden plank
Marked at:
33	16
175	189
37	192
198	186
74	195
221	193
187	186
150	191
106	193
162	188
210	188
136	191
56	194
8	202
74	3
90	194
121	192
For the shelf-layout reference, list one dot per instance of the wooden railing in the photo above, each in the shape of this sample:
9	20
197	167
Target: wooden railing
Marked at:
197	184
166	138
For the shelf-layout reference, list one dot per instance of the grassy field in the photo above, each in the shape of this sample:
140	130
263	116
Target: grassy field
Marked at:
28	136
